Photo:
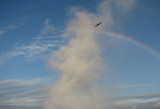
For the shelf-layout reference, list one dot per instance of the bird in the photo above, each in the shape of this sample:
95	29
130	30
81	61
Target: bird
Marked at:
98	24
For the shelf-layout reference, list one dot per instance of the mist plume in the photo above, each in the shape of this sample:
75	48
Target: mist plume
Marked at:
80	64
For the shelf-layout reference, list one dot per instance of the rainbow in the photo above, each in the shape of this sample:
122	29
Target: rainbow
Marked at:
132	41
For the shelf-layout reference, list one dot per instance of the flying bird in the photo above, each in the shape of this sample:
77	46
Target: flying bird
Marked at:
98	24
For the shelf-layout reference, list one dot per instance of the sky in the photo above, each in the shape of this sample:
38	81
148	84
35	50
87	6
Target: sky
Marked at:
53	57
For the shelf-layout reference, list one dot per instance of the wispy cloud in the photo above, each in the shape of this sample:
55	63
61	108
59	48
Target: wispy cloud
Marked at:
33	93
149	101
140	100
131	86
18	83
6	28
36	47
157	105
23	92
48	39
48	31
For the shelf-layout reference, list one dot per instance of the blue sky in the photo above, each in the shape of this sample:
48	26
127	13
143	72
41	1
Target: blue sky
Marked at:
32	31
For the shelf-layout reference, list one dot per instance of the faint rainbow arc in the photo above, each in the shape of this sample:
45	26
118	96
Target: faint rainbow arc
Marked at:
125	38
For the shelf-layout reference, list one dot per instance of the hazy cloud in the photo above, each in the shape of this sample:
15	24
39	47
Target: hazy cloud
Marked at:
124	5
